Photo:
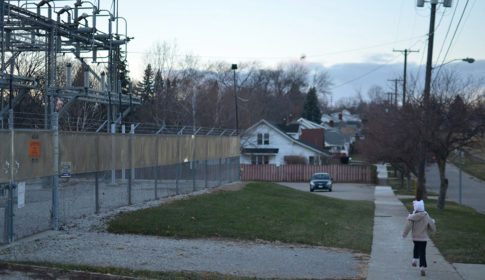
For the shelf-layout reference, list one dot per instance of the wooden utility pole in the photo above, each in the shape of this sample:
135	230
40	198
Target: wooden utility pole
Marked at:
395	90
405	51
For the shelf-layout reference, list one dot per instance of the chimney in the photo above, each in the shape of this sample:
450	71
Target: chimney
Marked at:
313	137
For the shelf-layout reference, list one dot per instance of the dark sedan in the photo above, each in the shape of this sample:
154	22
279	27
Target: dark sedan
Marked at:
321	181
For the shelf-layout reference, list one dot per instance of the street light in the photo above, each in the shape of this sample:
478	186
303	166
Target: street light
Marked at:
466	59
234	68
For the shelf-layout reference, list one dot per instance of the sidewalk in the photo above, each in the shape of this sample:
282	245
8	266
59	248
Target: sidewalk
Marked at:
391	255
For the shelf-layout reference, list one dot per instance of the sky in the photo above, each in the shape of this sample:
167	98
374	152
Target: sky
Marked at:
353	40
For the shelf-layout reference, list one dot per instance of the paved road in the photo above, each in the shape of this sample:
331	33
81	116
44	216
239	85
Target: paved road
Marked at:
473	189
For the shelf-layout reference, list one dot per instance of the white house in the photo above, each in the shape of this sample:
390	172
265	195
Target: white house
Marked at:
265	143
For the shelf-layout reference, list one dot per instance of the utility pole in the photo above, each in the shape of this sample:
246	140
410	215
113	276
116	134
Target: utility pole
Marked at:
420	192
395	90
405	51
234	68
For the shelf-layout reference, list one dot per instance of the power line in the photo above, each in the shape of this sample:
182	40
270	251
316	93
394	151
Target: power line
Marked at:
452	38
363	75
447	31
307	56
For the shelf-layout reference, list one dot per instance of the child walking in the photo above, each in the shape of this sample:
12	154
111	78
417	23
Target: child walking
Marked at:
419	222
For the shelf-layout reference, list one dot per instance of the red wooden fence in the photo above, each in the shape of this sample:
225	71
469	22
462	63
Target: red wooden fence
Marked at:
302	173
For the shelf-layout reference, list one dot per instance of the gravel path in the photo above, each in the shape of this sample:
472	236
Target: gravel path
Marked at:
86	242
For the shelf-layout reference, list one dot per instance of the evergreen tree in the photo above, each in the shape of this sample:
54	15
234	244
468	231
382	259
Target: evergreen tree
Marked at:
158	83
311	110
145	87
123	74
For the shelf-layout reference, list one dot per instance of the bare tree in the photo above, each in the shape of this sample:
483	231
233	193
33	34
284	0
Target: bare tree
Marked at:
456	117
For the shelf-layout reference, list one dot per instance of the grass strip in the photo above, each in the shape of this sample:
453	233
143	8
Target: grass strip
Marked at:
470	165
260	211
460	235
73	271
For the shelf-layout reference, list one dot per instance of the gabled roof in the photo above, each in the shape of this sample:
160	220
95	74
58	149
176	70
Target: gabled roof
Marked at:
285	135
334	137
304	123
288	128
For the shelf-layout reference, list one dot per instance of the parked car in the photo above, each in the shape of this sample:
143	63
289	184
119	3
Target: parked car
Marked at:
321	181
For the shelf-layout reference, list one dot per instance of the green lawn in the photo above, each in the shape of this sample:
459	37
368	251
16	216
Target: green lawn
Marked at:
470	165
263	211
460	235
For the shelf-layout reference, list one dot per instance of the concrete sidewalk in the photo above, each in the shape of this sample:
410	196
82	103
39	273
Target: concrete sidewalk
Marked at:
391	255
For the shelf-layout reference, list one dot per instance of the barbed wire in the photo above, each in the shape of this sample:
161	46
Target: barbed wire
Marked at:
37	121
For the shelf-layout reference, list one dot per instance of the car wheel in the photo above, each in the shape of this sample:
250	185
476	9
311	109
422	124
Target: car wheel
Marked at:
330	189
311	189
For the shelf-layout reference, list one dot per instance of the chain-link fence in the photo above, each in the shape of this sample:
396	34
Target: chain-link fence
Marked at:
44	186
89	193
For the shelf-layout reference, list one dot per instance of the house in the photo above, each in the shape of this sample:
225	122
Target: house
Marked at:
335	141
265	143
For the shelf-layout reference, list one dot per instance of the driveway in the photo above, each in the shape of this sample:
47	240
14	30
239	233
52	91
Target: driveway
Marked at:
473	189
345	191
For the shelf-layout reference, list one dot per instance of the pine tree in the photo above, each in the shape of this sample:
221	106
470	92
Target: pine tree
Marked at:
123	74
311	110
158	83
145	87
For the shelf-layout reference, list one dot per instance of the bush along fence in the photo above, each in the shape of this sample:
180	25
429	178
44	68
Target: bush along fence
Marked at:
302	173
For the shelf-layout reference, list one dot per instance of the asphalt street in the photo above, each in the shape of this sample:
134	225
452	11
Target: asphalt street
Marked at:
472	191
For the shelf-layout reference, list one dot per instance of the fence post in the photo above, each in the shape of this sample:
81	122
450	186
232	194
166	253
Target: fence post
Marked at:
130	162
96	192
55	178
96	178
157	168
113	158
123	170
178	169
206	163
8	222
220	171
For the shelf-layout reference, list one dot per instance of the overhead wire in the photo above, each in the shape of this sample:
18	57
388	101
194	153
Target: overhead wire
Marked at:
365	74
307	55
453	37
448	30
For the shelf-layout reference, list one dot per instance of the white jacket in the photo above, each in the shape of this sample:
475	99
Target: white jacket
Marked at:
420	223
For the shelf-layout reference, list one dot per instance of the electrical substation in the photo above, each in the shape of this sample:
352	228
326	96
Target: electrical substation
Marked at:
84	30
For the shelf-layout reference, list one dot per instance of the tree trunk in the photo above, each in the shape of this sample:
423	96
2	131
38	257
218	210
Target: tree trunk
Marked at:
443	184
408	181
401	176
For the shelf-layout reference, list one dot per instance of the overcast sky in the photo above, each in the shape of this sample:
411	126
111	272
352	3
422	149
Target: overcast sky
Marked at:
338	34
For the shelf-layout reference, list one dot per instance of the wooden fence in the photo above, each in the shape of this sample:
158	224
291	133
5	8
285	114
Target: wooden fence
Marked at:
302	173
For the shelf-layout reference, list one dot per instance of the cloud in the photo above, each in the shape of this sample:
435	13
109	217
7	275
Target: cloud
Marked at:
350	78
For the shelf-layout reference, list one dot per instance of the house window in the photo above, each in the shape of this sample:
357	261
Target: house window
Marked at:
263	138
311	160
260	159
